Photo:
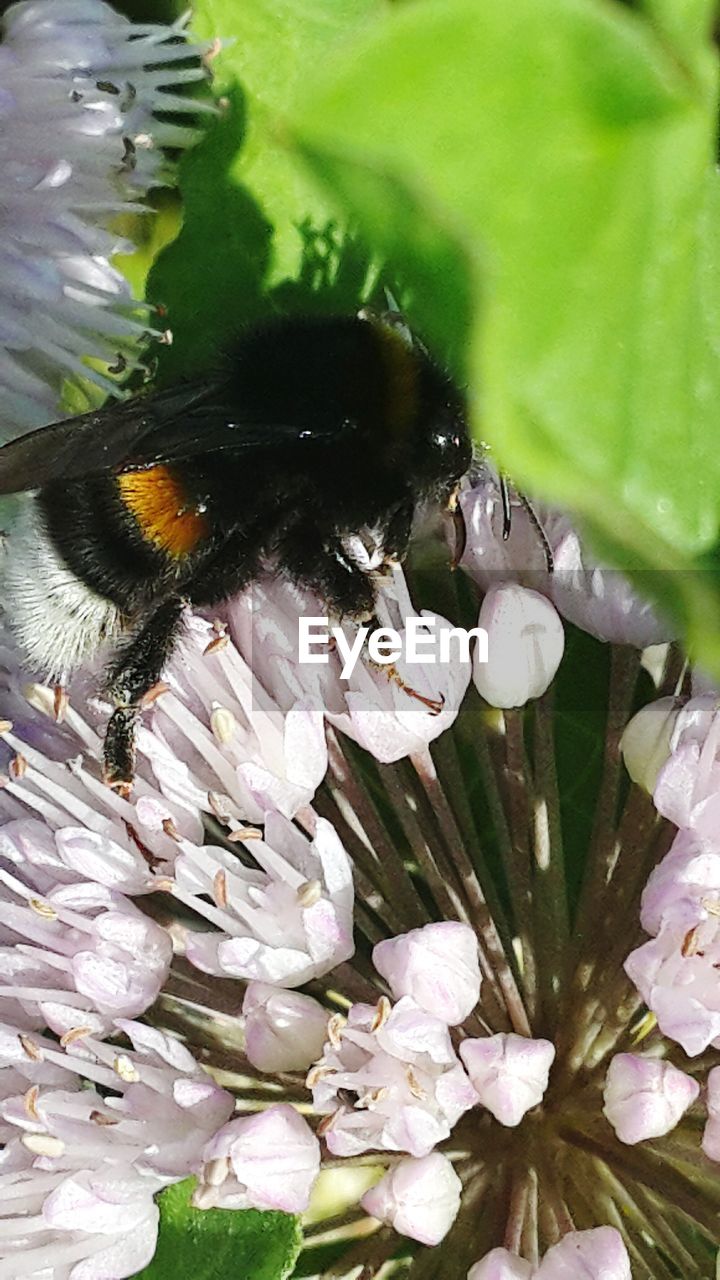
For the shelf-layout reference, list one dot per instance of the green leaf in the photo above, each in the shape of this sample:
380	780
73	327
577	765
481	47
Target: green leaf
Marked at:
568	145
572	149
687	23
259	235
221	1244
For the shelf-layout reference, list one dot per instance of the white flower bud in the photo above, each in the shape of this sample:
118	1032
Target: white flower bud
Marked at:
436	965
645	744
597	1254
273	1159
525	644
645	1097
500	1264
419	1198
509	1073
284	1031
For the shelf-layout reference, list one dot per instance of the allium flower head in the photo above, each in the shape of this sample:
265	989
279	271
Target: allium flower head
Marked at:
477	1063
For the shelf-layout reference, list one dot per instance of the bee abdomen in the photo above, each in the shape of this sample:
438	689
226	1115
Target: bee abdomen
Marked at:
59	621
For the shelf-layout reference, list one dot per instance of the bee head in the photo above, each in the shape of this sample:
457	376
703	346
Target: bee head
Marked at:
441	449
426	415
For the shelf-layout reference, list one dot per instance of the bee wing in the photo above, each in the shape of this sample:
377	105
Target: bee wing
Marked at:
164	426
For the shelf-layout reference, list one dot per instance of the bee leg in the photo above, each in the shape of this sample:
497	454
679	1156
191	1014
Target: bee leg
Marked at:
345	589
397	533
346	592
135	671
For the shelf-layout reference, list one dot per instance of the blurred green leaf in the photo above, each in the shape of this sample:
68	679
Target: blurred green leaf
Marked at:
567	147
221	1244
259	234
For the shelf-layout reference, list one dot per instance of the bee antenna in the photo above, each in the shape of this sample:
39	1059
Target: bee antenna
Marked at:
506	508
536	522
532	515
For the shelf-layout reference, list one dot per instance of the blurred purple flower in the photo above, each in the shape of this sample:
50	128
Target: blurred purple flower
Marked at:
88	101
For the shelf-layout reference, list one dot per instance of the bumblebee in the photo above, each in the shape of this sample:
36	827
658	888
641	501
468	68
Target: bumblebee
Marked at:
314	431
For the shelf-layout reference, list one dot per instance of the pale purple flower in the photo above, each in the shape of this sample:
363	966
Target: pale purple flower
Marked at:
602	601
685	884
598	1254
687	790
284	1031
80	140
266	1161
500	1264
74	953
436	965
645	743
392	711
218	743
286	922
675	972
645	1097
525	643
419	1198
92	1132
97	1222
48	771
711	1134
599	600
676	975
509	1073
389	1079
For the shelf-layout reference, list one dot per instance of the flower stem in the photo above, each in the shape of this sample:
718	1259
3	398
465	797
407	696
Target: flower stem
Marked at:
549	891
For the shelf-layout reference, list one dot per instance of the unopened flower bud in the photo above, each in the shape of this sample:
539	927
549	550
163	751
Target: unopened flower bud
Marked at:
598	1254
419	1198
436	965
274	1160
645	744
645	1097
509	1073
525	644
284	1031
500	1264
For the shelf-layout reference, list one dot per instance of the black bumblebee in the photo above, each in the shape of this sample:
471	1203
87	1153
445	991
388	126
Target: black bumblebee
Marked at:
316	430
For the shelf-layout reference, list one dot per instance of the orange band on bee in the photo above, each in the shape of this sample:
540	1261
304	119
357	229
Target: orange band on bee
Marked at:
157	500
